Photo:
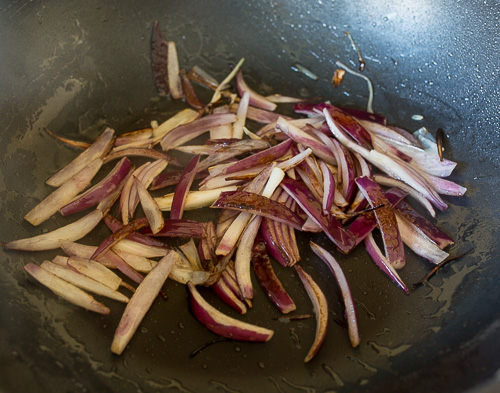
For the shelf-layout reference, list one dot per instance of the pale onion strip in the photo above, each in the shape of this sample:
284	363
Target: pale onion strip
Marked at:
65	290
82	281
50	240
64	194
241	115
141	301
150	208
224	84
174	80
194	200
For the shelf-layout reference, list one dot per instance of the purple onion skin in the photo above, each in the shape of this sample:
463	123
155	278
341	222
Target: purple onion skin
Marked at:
425	226
329	224
100	191
114	225
221	324
268	279
263	157
259	205
183	187
386	220
159	55
272	244
365	223
226	294
179	228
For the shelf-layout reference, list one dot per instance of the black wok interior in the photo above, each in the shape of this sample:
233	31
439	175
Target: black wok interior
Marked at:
76	67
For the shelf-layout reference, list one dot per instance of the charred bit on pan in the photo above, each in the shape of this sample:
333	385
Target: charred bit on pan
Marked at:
358	51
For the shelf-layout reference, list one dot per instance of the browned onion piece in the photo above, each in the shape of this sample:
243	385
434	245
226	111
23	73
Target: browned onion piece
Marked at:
182	189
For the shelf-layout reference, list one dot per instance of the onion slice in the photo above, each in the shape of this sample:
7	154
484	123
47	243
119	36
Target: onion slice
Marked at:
65	290
50	240
350	307
141	301
64	194
320	306
182	189
96	150
221	324
150	208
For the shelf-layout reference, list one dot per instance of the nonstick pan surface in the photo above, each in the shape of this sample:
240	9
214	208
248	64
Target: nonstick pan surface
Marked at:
76	67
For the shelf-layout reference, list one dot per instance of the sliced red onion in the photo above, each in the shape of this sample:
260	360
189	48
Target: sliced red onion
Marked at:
139	263
84	251
444	186
383	264
420	223
359	202
183	275
299	136
260	158
259	205
255	98
226	294
243	257
268	279
140	249
141	301
393	167
225	130
365	223
281	99
133	136
390	182
150	208
114	225
95	270
347	170
159	55
115	237
65	290
179	228
102	189
197	74
225	83
320	306
221	324
386	219
345	120
264	116
387	132
350	307
274	247
64	194
127	197
184	133
195	199
50	240
96	150
174	80
142	152
184	116
328	187
241	116
182	189
170	178
332	228
82	281
419	243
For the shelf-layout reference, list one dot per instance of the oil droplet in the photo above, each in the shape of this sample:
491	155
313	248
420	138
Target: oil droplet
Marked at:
161	338
386	351
144	330
336	378
417	117
261	365
366	366
237	349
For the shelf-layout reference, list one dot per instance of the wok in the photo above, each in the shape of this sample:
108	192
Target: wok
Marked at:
76	67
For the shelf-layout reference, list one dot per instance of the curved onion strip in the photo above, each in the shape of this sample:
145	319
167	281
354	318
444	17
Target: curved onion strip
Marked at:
174	80
255	98
150	208
320	306
382	262
268	279
221	324
350	307
241	116
182	189
141	301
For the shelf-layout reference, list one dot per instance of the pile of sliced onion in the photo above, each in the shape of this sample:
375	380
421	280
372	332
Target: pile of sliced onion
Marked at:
342	172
